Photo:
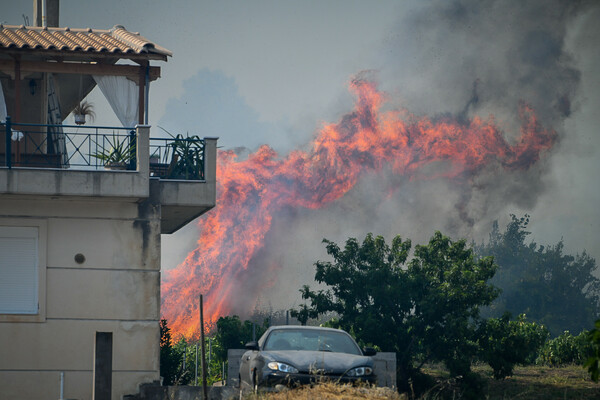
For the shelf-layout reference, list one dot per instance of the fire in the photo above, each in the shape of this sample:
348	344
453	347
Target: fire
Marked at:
252	190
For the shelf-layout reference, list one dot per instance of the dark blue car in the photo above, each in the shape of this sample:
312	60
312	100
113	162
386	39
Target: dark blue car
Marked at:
290	355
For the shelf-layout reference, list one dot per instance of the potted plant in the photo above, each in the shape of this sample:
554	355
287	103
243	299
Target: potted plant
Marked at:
188	158
81	110
117	154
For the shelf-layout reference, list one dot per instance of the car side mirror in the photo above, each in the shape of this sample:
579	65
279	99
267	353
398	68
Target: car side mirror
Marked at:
369	351
252	346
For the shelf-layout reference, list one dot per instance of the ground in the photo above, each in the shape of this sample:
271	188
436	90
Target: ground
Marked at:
527	383
547	383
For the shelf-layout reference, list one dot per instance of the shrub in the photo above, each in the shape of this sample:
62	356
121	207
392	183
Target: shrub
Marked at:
505	343
592	363
566	349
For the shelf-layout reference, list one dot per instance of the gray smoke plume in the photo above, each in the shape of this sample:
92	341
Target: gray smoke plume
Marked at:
485	57
457	59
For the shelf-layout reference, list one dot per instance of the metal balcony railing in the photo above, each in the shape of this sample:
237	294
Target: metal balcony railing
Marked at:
67	146
97	148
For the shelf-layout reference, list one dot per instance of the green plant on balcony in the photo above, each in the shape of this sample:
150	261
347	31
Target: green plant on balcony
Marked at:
187	161
116	153
187	157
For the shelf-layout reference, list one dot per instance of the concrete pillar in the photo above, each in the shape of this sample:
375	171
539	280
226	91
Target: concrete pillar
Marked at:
210	159
143	149
102	375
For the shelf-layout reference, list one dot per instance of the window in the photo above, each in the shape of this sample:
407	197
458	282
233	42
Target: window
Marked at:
19	270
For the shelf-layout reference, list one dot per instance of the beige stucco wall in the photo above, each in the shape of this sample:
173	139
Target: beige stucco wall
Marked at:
116	289
114	219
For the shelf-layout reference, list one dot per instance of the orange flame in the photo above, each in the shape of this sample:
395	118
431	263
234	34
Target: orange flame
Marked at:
251	191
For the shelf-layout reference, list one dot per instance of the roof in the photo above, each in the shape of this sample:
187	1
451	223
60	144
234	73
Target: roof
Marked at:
117	41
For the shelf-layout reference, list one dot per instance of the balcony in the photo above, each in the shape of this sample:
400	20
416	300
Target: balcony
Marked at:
110	162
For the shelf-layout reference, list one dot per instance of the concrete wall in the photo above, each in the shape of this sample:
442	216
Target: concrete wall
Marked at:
99	254
116	289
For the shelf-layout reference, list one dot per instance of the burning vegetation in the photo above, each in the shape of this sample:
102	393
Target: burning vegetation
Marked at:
370	139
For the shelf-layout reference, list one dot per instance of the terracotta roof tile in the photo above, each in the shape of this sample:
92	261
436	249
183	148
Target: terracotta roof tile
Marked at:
117	40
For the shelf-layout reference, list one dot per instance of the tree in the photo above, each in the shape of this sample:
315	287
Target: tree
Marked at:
232	333
552	288
169	358
426	309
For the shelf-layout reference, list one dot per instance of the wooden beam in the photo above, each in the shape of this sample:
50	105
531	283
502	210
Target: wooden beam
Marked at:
130	71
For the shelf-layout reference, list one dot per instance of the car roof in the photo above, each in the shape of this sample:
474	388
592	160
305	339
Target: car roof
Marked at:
303	327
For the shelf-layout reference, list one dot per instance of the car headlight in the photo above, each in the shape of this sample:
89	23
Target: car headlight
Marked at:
277	366
360	371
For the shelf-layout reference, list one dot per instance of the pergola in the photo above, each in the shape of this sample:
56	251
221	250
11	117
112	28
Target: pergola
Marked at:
28	54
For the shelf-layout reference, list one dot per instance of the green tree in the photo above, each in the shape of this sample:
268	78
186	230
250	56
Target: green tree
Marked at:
557	290
232	333
423	309
169	358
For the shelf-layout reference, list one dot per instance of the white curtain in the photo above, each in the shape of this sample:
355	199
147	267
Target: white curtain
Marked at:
123	96
2	105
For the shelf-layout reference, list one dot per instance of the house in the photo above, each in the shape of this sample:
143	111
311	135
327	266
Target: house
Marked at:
80	231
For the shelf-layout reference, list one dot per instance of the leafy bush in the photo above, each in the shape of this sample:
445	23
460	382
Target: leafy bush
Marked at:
178	361
592	362
190	356
566	349
232	333
505	343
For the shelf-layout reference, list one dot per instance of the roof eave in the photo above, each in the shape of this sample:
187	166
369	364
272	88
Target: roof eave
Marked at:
79	55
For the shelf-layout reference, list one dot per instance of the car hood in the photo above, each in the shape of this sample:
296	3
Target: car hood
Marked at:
318	361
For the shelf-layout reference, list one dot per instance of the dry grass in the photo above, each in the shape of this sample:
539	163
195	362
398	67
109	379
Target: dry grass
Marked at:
541	383
527	383
331	391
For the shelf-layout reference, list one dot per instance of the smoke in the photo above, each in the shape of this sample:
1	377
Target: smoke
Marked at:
457	63
477	58
484	57
460	59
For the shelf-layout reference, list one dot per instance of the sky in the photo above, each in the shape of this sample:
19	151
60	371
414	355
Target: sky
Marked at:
273	72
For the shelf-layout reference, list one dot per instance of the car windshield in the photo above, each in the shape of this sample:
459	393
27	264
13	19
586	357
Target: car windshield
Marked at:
311	340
